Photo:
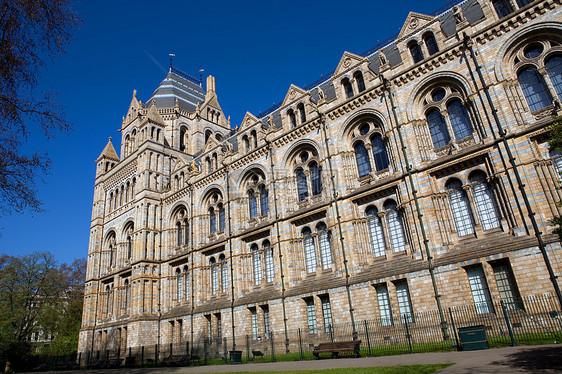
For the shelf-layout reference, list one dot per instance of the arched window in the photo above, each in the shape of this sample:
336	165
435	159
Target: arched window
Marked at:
212	221
224	273
127	295
534	89
302	114
395	227
416	52
430	43
292	118
348	88
362	158
209	165
376	232
315	178
185	232
254	138
129	247
302	184
179	234
268	255
256	258
246	143
358	76
309	250
182	139
484	201
179	285
214	276
253	205
554	68
438	128
325	247
379	153
460	207
264	200
186	285
208	134
462	128
111	255
222	220
502	8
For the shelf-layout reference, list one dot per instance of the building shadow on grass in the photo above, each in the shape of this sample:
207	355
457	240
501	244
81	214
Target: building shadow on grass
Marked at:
535	359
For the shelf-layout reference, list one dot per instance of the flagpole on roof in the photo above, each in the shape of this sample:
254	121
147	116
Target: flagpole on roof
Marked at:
172	55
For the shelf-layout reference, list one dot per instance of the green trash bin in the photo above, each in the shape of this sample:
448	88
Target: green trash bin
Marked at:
473	337
235	357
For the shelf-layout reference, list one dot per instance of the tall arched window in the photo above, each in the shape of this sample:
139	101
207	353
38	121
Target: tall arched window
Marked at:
253	205
460	207
127	295
376	232
502	8
212	221
268	256
179	285
292	118
179	234
224	273
430	43
246	143
302	184
182	138
306	163
358	76
111	255
395	227
379	152
264	200
415	51
438	128
325	247
186	285
362	158
554	68
348	88
484	201
462	128
254	136
302	114
129	247
534	89
309	250
214	276
315	178
222	218
256	258
185	232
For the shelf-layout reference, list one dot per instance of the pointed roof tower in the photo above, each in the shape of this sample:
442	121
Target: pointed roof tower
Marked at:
108	152
181	87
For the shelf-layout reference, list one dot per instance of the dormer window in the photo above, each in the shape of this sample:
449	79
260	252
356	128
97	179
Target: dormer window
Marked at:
302	114
358	76
348	88
416	52
430	43
292	118
502	8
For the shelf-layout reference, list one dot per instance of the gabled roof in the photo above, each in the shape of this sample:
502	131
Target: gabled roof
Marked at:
414	22
180	86
294	93
347	60
108	152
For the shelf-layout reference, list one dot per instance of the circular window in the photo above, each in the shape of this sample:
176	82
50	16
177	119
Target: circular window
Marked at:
304	156
438	94
364	129
533	51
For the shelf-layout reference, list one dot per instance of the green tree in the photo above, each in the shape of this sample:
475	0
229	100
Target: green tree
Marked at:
30	32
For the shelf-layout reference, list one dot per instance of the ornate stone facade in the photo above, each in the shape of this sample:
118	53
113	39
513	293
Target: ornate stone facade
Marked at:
326	207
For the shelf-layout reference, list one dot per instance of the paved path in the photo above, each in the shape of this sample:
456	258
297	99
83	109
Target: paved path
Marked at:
543	359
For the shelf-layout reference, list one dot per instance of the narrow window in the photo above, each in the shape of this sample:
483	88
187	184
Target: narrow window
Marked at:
182	139
437	128
179	234
266	322
110	255
209	328
253	204
185	232
224	274
376	232
554	68
212	221
186	286
404	302
219	327
302	184
485	202
507	287
362	158
310	315
256	257
379	153
534	89
416	52
254	139
309	250
246	143
264	200
348	88
430	44
129	247
302	113
384	305
254	317
179	285
395	227
292	118
207	135
268	254
325	247
214	276
502	8
479	290
360	81
315	178
326	313
222	222
462	128
127	295
460	208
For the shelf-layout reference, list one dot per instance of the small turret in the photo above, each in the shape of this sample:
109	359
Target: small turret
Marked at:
107	159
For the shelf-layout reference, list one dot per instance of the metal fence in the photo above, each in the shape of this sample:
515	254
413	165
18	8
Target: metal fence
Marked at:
531	320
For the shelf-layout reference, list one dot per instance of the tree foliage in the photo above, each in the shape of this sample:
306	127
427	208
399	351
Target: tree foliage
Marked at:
31	31
37	295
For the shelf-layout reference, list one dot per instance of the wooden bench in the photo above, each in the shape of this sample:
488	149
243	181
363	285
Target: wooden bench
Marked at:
114	363
336	347
173	360
257	354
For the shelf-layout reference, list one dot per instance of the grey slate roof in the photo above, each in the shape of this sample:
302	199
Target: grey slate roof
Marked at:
471	10
181	86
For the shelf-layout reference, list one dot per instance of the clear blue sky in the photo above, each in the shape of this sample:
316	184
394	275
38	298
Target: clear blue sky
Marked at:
255	49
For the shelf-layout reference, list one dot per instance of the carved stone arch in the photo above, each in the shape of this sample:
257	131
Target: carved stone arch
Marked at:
248	171
446	78
208	192
176	208
111	233
503	65
350	122
126	226
291	153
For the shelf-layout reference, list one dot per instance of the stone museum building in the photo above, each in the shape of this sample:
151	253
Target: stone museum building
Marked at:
415	178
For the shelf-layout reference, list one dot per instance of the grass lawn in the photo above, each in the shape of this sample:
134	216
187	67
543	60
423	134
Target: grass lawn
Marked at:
407	369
